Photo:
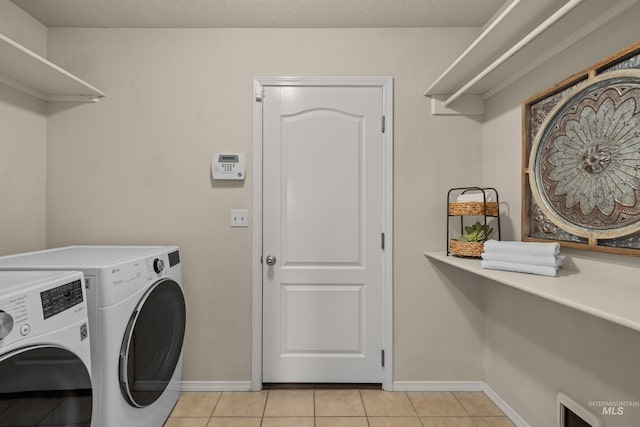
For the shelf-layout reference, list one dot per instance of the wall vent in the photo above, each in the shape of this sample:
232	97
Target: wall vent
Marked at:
572	414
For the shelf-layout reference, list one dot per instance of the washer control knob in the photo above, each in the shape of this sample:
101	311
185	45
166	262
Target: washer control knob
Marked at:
158	265
6	324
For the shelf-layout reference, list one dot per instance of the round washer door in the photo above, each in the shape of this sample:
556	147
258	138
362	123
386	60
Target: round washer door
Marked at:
44	385
152	343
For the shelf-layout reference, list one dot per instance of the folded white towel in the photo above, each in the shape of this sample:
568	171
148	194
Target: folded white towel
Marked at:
473	197
545	260
519	268
522	248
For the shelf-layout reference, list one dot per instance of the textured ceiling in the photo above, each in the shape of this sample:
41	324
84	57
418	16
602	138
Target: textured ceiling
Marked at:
261	13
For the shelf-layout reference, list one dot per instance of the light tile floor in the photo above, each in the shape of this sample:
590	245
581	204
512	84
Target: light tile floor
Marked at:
336	408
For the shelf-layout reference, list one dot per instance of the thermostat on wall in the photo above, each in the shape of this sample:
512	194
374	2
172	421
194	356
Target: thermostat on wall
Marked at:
228	166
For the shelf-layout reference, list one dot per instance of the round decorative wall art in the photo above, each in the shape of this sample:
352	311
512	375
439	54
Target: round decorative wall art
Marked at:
584	164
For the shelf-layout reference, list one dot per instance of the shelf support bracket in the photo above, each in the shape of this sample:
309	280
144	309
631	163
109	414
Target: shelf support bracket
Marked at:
466	105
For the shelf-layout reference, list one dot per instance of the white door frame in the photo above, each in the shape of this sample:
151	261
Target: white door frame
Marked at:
386	83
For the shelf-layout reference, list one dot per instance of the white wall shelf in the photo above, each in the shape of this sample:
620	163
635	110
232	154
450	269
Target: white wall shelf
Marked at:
607	297
521	36
30	73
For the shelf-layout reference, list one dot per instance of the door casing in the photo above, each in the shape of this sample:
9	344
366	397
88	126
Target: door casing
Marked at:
386	83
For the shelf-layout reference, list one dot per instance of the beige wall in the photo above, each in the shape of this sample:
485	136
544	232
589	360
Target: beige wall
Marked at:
23	146
535	348
21	27
134	169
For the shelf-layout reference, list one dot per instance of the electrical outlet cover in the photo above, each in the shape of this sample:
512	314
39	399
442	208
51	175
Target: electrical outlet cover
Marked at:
239	217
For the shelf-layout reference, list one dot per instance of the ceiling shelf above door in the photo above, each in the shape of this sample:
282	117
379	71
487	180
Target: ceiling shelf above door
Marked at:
521	36
28	72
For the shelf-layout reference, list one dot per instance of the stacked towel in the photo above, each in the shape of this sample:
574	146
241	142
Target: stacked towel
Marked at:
473	197
522	257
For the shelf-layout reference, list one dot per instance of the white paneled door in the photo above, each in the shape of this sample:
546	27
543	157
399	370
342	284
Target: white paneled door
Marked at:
322	234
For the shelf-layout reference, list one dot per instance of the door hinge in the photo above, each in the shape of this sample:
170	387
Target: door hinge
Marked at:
383	123
382	357
259	93
382	240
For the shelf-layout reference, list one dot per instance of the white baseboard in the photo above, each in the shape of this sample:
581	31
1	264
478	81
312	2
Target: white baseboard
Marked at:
463	386
438	386
504	407
215	385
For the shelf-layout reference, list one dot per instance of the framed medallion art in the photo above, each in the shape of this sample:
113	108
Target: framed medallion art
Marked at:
581	159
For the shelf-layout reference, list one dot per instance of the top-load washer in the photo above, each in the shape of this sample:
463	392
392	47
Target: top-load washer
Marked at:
137	320
45	361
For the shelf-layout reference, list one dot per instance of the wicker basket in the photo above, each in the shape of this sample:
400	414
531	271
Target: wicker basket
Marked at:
466	249
473	208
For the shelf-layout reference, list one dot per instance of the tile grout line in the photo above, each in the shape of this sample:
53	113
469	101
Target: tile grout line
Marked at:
465	408
461	404
264	408
366	416
364	408
215	405
414	408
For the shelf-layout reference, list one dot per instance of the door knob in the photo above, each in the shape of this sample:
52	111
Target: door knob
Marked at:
270	259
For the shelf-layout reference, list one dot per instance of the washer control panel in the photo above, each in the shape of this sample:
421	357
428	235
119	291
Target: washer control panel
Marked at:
61	298
33	312
162	264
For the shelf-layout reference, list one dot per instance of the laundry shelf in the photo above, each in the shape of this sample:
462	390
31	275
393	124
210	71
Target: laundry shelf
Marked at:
520	37
30	73
612	296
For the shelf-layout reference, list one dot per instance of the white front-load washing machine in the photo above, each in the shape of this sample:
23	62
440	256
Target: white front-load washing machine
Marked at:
45	360
137	321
